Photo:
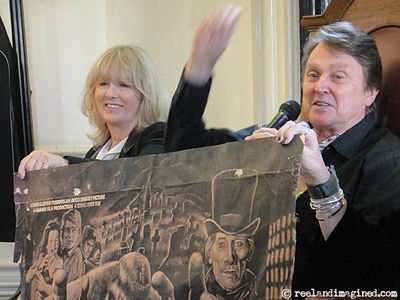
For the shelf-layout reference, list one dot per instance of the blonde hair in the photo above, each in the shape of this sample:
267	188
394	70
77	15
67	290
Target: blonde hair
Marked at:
133	65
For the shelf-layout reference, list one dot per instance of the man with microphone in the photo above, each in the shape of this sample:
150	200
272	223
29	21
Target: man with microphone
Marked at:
349	211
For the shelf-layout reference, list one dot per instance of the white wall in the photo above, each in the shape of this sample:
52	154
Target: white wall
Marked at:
166	28
5	16
63	39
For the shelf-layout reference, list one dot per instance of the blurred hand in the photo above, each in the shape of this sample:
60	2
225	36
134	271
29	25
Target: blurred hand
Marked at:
211	39
38	160
262	133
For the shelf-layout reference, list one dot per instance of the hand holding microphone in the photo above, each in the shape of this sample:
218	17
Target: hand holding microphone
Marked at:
288	111
284	129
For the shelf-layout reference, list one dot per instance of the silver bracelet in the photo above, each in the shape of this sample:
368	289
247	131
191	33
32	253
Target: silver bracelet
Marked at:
328	207
326	203
326	216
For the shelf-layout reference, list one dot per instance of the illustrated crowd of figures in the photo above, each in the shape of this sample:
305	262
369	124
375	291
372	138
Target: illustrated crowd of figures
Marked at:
155	247
161	234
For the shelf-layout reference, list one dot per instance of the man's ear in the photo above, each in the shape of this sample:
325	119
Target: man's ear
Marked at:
370	95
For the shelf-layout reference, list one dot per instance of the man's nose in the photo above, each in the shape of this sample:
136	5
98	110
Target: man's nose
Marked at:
322	85
230	254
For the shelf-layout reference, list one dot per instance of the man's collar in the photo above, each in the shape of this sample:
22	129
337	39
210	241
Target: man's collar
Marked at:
348	143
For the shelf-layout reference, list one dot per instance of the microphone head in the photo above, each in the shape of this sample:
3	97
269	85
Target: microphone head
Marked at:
291	109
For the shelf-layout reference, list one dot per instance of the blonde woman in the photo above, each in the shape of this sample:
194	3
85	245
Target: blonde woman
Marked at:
124	102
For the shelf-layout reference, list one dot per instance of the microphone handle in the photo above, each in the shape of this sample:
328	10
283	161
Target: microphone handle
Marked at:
278	121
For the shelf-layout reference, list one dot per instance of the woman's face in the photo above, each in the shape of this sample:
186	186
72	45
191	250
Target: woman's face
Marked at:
53	242
118	104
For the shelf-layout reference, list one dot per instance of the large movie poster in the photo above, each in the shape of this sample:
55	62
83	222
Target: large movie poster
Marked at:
215	222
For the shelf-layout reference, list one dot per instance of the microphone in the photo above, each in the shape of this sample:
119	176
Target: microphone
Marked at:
288	111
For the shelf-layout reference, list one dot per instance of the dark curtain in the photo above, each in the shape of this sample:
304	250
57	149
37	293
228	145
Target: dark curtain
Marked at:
7	215
15	117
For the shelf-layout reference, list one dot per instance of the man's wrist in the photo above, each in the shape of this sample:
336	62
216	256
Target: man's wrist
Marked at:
325	189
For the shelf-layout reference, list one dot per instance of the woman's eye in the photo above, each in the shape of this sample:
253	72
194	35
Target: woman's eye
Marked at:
104	83
125	85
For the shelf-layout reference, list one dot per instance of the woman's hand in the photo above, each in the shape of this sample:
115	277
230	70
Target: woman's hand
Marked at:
262	133
38	160
210	41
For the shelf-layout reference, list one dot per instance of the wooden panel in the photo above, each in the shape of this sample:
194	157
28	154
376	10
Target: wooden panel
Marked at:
368	15
334	12
388	43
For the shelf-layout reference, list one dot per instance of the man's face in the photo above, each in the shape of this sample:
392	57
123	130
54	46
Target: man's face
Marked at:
335	95
228	258
71	235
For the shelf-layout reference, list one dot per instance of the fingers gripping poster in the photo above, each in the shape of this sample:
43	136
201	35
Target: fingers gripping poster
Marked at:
209	223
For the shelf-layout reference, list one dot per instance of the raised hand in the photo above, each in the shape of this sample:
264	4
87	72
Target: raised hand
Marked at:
211	39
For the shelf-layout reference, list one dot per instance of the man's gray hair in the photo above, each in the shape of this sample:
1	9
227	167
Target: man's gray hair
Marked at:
345	37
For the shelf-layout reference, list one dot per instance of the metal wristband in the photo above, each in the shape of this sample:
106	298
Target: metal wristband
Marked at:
327	215
325	205
324	202
326	189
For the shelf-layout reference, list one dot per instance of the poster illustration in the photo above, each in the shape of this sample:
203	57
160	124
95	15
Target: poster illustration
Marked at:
209	223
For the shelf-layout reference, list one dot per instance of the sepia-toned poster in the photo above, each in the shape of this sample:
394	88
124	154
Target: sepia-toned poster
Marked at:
215	222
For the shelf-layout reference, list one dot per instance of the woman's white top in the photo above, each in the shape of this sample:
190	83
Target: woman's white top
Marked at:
106	153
